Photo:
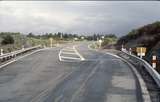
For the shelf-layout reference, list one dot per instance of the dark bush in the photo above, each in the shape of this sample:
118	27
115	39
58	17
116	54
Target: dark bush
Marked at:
8	39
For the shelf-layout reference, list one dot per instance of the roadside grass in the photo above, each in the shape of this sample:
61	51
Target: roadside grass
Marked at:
109	41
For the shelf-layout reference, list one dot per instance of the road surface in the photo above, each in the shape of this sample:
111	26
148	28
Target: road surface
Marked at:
41	77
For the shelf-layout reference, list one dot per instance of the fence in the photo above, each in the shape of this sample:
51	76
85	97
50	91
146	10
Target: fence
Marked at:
13	54
153	73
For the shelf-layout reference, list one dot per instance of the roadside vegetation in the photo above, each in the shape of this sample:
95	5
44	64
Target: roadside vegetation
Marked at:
109	41
11	41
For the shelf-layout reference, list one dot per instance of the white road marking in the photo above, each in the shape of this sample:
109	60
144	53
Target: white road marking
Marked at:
70	57
68	52
67	60
59	56
82	58
113	55
94	49
89	46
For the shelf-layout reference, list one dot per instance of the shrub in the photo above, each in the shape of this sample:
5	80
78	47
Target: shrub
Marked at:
8	39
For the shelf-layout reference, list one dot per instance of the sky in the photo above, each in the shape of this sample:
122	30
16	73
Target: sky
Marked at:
80	17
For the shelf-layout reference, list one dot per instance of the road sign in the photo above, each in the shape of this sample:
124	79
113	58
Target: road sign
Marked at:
141	51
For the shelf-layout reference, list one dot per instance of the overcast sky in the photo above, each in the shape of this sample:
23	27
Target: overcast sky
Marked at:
85	17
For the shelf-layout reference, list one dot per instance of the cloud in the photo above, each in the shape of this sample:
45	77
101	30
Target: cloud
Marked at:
76	16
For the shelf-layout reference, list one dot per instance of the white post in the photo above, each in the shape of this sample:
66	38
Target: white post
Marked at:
141	53
130	51
22	47
51	42
61	36
154	62
1	51
122	48
100	43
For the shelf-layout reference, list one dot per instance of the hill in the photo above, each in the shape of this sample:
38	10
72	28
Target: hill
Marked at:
146	36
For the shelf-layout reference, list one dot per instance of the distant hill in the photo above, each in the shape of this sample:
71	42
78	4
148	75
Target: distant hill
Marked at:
146	36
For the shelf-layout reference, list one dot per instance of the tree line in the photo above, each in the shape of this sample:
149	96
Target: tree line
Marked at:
61	35
9	37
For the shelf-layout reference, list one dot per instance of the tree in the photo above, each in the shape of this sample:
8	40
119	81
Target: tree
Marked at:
30	35
8	39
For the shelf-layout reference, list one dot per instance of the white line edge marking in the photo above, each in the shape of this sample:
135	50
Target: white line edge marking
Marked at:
145	93
113	55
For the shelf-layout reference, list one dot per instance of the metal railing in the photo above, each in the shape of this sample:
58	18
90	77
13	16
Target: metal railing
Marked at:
13	54
153	73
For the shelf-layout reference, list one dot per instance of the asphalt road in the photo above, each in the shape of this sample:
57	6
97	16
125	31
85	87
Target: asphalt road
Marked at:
41	77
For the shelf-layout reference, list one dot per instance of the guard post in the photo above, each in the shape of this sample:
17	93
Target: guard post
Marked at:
154	61
1	51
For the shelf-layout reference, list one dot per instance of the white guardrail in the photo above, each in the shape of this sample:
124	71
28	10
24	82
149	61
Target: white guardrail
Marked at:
13	54
155	75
